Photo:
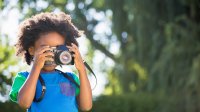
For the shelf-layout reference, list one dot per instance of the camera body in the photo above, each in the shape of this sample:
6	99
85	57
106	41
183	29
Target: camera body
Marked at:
62	56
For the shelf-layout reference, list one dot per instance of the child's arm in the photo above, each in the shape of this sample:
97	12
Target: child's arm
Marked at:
27	92
85	96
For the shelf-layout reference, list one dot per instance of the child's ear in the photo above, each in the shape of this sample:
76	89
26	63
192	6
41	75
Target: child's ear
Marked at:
31	50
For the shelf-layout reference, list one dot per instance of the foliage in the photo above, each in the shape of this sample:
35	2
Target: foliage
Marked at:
159	49
10	107
7	62
142	102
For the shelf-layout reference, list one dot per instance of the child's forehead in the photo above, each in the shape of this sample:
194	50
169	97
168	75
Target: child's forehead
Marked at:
50	46
51	39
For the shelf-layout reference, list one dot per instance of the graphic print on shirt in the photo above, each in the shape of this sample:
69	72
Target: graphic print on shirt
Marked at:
67	89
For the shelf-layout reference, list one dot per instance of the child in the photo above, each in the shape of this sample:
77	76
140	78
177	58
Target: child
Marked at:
52	92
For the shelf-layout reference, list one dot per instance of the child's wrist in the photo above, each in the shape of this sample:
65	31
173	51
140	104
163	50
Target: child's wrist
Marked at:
82	69
35	67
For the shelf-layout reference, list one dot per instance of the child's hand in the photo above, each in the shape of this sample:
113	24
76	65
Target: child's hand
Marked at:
77	57
41	55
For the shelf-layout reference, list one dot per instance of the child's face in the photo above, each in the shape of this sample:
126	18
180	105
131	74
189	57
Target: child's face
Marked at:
51	39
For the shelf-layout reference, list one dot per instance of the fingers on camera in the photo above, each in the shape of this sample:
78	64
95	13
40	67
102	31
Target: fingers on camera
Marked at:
45	49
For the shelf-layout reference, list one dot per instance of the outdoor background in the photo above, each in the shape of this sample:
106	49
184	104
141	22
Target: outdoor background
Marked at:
145	53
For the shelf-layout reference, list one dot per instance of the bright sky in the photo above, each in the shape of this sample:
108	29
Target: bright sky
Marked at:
9	24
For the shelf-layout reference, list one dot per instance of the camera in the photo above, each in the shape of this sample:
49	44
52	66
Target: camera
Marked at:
62	56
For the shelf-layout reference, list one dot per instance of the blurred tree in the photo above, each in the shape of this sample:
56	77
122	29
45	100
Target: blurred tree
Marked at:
8	64
159	43
7	60
163	37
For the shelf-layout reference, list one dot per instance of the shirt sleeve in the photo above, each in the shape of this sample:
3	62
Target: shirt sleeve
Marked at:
78	82
17	84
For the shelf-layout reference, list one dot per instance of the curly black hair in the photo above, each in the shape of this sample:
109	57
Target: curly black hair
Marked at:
32	28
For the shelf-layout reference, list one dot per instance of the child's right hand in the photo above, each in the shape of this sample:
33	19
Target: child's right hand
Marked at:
41	55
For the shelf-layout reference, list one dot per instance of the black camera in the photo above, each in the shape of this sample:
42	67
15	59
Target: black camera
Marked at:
62	56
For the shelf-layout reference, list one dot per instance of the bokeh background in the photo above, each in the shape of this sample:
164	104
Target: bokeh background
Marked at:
145	53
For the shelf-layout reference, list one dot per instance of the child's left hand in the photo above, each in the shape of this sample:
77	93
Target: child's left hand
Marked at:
77	57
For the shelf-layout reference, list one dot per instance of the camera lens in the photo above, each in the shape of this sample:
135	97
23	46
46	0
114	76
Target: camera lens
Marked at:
65	57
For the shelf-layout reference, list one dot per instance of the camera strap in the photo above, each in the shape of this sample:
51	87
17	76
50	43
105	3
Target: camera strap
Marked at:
90	69
66	76
43	90
73	81
44	86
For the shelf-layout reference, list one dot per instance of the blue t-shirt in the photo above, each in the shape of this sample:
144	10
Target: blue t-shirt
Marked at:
60	95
